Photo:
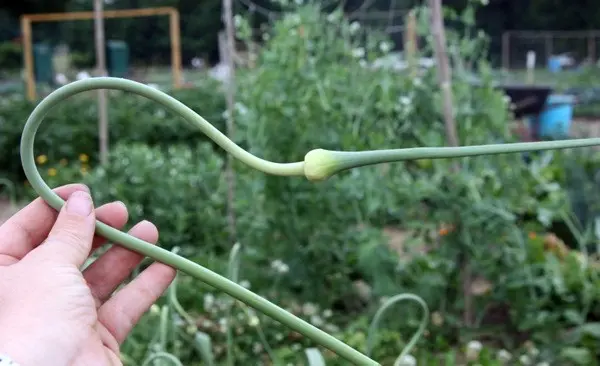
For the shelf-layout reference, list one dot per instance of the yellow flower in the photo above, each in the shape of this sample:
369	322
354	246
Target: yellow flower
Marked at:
42	159
52	172
63	162
83	158
84	169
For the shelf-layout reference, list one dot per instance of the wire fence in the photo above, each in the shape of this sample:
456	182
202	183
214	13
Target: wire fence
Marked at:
573	47
390	20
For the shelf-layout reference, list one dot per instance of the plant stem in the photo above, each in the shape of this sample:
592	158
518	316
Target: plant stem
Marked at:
341	161
378	315
155	252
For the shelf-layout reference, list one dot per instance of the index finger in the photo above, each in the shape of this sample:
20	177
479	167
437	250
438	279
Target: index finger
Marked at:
30	226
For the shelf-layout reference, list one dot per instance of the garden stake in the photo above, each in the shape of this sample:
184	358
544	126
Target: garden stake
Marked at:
317	165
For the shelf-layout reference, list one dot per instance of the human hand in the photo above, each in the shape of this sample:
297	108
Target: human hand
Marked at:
52	313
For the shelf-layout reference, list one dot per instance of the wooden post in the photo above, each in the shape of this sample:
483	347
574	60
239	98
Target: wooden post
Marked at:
445	80
410	41
174	30
444	72
229	53
101	71
28	57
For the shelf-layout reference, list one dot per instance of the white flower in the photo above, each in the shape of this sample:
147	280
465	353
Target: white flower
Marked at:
309	309
332	17
525	360
407	360
358	52
245	284
279	266
327	313
254	321
473	349
61	79
257	348
197	62
405	101
354	27
385	47
504	355
223	324
84	75
237	20
209	301
485	2
316	320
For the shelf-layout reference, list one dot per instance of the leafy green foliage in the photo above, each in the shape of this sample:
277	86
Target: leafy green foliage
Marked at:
71	128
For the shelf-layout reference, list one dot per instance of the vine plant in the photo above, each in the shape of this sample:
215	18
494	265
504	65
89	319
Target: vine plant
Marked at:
317	165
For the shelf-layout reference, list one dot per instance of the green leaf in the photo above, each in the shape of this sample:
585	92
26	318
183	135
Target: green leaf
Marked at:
580	356
591	329
203	344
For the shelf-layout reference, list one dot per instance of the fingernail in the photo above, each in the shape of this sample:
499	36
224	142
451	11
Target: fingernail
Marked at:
80	203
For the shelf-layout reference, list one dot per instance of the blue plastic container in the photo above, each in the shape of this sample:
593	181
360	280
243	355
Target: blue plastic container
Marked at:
554	64
555	119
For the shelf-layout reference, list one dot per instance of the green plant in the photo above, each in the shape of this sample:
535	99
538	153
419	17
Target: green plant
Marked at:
318	165
132	119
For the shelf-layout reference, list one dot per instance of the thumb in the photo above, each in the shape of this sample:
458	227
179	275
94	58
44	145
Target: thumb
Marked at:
70	239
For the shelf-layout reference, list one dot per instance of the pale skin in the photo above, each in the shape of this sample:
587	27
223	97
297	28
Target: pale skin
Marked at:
52	313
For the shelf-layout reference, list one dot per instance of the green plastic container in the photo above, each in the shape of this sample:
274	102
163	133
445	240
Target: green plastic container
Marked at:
117	58
42	63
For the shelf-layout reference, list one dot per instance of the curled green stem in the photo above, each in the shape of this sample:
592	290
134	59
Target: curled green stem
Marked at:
379	314
153	251
317	165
